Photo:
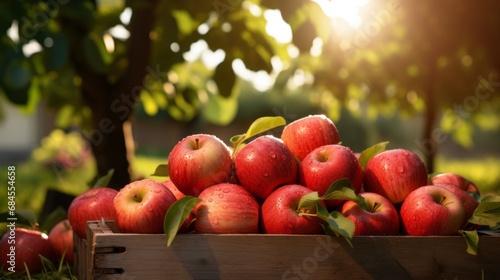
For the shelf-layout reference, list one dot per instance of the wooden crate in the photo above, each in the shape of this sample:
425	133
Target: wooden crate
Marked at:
108	254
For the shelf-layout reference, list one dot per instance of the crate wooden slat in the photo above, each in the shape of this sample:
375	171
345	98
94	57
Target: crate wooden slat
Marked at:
108	254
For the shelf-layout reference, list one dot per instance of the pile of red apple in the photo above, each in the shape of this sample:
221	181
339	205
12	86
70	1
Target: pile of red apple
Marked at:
257	187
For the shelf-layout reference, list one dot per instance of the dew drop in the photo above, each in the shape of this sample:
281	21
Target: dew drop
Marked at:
157	190
401	169
273	155
226	190
266	174
210	199
221	195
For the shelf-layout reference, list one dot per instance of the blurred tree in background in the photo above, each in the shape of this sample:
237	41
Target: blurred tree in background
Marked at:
95	61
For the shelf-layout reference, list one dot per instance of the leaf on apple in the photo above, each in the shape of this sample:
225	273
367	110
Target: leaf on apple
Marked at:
103	182
370	152
161	171
308	201
472	239
342	190
335	223
176	215
259	126
487	212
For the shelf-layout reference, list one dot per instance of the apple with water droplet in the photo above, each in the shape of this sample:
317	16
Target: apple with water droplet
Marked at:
379	218
226	208
394	174
21	246
141	206
432	210
308	133
280	213
197	162
61	237
93	204
457	180
328	164
263	165
468	201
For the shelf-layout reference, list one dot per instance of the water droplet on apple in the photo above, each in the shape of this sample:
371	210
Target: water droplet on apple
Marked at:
283	157
221	195
224	206
401	169
273	155
266	174
157	190
210	199
226	190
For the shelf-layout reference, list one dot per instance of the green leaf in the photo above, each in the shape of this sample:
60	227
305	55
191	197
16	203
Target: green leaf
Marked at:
472	239
23	217
264	124
487	212
219	110
176	215
161	171
335	223
308	201
237	138
53	218
103	182
369	153
225	78
259	126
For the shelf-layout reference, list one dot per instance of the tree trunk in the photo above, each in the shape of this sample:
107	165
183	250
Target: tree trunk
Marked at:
112	103
428	143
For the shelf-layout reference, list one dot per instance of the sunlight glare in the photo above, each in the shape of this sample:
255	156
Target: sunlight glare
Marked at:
347	10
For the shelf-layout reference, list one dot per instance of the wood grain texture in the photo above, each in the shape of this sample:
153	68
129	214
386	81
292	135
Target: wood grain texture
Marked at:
240	256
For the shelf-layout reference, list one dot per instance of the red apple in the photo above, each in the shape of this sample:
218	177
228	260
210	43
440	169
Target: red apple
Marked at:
279	213
197	162
20	247
226	208
457	180
263	165
327	164
188	224
61	237
432	210
308	133
468	201
93	204
380	218
394	174
141	206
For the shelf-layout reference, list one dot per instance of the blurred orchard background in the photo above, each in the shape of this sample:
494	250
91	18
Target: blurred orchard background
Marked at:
92	85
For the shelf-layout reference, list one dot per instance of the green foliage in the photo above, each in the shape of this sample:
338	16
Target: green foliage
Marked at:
176	215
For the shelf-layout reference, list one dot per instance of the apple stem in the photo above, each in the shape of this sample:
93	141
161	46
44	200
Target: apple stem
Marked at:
197	143
137	198
373	209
